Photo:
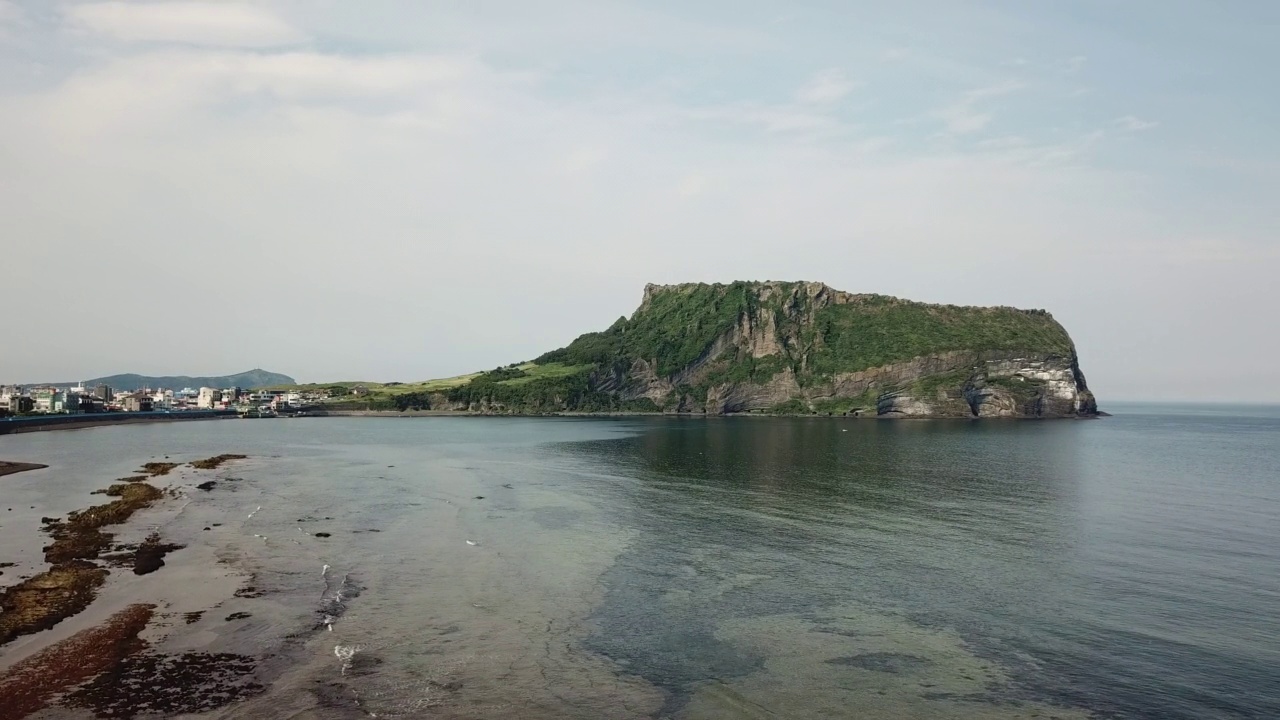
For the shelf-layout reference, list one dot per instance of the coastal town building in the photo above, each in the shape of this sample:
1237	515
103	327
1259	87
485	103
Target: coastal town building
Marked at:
66	402
103	398
43	398
185	398
208	398
136	402
21	405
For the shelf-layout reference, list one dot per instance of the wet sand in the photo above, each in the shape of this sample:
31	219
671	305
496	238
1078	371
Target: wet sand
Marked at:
11	468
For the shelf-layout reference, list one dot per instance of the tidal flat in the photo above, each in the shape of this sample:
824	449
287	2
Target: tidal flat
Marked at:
81	555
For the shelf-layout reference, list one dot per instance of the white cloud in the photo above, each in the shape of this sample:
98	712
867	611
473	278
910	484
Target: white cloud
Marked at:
996	90
9	12
1003	143
1133	124
552	30
691	185
1075	64
772	118
218	24
152	91
12	21
963	117
584	159
825	87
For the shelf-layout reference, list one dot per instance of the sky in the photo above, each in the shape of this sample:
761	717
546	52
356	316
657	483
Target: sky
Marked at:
401	190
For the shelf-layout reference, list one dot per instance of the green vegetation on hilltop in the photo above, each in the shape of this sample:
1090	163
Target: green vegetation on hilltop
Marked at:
679	325
374	396
878	331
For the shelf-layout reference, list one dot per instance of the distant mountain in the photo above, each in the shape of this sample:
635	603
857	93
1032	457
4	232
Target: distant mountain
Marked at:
130	381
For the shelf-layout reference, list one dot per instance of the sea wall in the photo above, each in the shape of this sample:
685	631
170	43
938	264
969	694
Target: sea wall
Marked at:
35	423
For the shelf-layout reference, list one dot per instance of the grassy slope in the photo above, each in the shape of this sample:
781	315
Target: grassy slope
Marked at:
381	396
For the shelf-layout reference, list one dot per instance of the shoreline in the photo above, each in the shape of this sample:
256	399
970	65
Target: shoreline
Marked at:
105	421
705	416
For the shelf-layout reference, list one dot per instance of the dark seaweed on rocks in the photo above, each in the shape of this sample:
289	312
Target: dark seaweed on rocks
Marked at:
168	685
29	685
70	585
43	601
215	461
150	554
158	468
249	591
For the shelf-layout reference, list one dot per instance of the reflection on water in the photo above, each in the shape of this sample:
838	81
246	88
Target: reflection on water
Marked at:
731	568
1085	559
804	524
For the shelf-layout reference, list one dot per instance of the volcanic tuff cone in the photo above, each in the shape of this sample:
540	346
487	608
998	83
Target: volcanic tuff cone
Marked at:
799	347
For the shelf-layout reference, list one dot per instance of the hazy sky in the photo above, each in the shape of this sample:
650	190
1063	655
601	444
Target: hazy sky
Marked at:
405	190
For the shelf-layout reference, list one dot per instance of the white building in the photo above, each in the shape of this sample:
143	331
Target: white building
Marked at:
208	398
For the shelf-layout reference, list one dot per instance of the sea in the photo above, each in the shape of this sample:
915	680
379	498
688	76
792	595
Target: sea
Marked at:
665	567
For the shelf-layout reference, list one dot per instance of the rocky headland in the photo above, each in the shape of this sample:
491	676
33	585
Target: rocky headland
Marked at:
796	348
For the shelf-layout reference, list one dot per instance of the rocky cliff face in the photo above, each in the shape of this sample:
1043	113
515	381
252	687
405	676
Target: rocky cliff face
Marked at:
784	332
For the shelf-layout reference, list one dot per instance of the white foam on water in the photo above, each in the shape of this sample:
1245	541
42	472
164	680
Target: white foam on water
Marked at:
346	654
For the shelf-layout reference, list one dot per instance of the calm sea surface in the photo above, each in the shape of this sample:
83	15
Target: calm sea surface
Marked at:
724	568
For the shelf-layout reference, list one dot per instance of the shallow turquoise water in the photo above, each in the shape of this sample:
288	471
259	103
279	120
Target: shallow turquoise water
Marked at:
1126	567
